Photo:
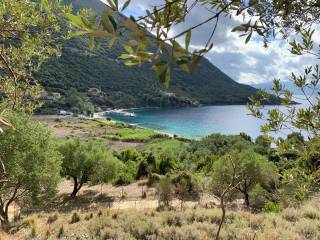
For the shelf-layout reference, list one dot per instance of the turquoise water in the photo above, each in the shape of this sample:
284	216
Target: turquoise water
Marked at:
196	122
201	121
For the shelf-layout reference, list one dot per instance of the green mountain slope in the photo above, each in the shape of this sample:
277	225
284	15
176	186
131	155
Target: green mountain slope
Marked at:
124	86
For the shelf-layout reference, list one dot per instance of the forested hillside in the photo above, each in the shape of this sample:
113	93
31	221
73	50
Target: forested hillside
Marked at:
124	86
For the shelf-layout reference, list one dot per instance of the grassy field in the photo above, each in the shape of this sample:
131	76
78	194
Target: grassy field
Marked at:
164	144
188	224
134	134
116	134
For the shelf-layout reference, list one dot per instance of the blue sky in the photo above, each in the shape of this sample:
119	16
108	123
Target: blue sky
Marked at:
246	63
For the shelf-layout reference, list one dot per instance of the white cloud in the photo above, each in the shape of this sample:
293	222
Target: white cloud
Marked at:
245	63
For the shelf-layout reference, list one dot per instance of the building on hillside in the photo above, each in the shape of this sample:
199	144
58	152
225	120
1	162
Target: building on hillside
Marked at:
43	94
167	94
56	95
64	113
94	91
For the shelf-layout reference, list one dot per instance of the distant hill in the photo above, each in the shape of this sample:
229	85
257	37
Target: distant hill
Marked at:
124	87
287	85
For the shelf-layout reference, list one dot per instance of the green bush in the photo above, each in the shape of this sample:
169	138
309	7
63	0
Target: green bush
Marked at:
127	173
165	190
129	154
187	186
259	197
168	162
271	207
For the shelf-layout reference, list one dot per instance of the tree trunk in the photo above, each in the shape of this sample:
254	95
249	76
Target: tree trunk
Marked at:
75	187
246	199
222	217
4	219
4	210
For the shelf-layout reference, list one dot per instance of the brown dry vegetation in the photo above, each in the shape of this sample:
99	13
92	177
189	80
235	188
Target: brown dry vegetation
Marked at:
67	126
191	223
136	196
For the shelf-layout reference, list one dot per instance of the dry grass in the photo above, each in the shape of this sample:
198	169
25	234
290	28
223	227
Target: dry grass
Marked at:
190	224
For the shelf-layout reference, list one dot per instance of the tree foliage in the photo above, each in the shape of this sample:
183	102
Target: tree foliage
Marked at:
187	186
87	162
30	164
250	169
29	34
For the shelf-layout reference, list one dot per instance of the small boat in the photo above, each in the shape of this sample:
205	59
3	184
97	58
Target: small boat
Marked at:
121	112
128	114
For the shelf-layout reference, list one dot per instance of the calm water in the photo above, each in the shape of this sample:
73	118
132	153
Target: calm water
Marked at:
202	121
197	122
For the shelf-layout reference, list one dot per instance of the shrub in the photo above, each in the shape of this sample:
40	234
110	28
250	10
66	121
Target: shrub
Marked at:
168	162
129	154
127	173
174	220
308	229
310	212
187	186
259	197
165	191
291	214
272	207
52	218
109	233
153	179
88	216
60	232
33	230
143	170
99	213
75	218
48	233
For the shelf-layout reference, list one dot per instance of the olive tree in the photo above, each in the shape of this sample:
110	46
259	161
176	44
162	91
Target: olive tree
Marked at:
186	186
87	162
240	172
30	32
30	165
251	169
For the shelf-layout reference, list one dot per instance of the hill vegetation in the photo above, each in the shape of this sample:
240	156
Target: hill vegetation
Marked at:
124	87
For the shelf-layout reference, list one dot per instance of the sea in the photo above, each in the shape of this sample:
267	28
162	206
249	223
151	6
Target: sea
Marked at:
198	122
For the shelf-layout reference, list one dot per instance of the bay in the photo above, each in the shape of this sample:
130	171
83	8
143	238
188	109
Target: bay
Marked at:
197	122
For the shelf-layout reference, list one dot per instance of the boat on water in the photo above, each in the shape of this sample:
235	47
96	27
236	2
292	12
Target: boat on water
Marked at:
127	114
121	112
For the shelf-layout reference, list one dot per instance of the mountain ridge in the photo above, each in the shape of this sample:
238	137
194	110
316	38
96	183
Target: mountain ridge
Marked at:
125	87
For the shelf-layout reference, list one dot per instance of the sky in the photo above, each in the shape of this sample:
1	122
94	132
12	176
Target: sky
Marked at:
249	63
